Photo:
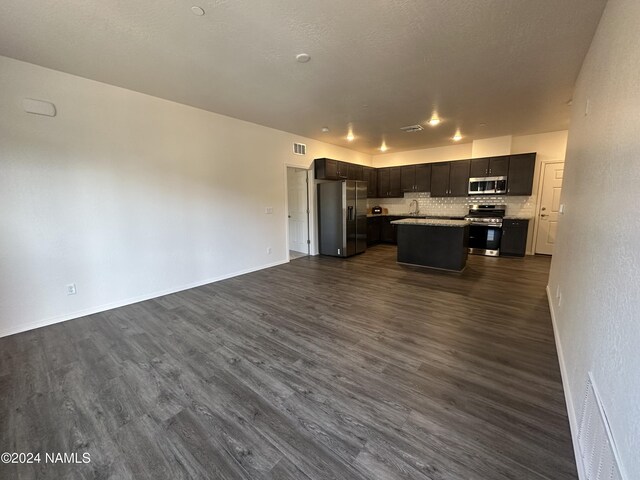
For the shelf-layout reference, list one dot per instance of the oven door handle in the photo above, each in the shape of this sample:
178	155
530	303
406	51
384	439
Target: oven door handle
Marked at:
483	224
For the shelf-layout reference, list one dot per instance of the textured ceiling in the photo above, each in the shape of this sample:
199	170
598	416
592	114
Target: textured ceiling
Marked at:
377	64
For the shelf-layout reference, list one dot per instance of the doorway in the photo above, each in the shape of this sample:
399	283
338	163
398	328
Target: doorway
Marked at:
298	212
549	206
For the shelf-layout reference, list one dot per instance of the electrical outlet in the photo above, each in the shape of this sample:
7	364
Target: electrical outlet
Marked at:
558	291
268	210
587	107
268	250
561	209
71	289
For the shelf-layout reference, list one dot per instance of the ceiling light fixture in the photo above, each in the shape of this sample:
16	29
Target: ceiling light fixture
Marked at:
303	58
325	129
350	136
197	11
435	120
383	147
457	137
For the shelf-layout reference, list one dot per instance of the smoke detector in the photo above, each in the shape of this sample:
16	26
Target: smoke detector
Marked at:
412	128
303	58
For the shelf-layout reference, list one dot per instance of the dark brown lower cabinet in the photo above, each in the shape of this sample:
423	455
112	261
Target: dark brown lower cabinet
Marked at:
373	230
380	230
514	237
388	232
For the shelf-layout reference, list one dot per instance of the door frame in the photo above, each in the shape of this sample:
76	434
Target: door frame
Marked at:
286	206
536	220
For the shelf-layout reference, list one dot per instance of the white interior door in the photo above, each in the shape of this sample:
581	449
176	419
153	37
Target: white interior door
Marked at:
549	206
297	202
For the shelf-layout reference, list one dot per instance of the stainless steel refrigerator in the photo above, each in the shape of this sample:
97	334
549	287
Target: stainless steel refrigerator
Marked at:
342	218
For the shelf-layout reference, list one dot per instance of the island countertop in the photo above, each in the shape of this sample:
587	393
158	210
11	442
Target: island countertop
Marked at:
431	222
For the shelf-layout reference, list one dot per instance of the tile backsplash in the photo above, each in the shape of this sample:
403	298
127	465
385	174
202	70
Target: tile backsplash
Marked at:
455	206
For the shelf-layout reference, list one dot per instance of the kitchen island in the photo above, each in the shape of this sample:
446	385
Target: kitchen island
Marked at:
433	243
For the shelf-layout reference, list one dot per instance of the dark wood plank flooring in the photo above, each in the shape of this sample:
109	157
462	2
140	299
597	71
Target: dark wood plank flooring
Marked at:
319	369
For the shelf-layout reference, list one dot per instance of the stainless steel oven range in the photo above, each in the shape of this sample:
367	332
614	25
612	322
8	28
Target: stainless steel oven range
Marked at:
485	231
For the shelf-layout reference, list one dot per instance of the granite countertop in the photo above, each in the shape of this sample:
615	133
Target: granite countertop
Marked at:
431	222
413	215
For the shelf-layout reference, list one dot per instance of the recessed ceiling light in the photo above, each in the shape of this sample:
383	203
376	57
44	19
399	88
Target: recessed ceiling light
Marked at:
457	137
302	58
350	136
325	129
435	120
483	125
383	147
197	11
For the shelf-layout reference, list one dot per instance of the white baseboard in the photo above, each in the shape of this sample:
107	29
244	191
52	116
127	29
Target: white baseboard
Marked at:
127	301
571	413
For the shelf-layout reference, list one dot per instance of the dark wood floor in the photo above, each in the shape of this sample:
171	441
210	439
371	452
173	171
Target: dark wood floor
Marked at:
319	369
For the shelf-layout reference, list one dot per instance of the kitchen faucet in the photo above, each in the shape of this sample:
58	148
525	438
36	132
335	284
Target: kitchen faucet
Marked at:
417	210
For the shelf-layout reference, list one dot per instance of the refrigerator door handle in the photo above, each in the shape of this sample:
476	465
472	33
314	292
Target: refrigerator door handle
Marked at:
350	213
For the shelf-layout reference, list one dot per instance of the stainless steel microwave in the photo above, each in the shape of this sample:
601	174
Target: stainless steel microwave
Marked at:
487	185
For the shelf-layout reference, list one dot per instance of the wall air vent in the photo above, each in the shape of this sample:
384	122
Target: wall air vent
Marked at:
412	128
299	149
598	452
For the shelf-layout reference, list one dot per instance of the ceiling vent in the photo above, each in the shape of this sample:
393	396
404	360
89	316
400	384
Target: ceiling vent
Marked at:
299	149
412	128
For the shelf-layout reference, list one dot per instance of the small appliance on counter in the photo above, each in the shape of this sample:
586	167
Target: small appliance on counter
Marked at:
376	210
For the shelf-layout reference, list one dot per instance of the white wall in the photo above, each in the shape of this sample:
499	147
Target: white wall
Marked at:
425	155
489	147
597	260
130	196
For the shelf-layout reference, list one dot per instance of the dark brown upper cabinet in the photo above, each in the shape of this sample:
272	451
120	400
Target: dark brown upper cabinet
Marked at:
408	176
395	182
383	182
328	169
489	167
371	177
479	168
499	166
520	177
389	182
450	179
343	170
459	178
440	179
356	172
443	179
423	177
416	178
